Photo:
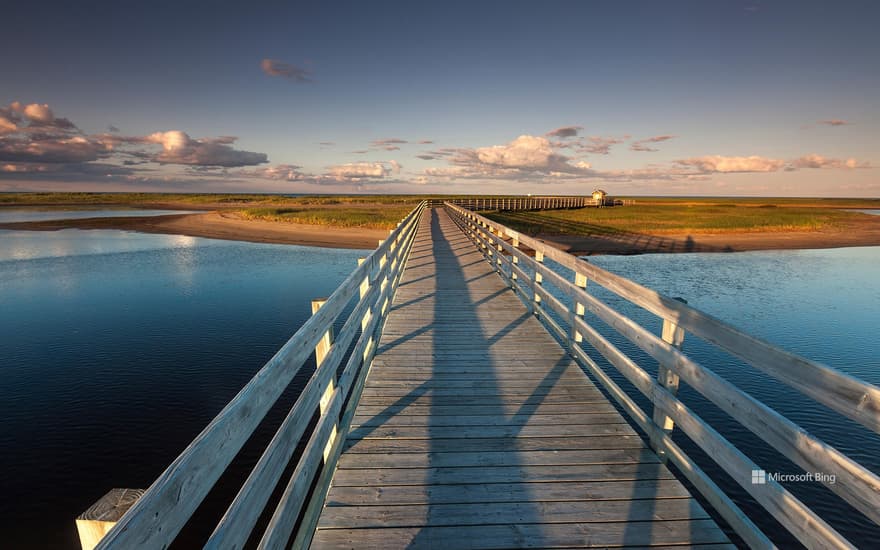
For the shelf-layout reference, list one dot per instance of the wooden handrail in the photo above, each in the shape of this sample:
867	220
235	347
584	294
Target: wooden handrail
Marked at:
856	484
528	203
846	394
156	519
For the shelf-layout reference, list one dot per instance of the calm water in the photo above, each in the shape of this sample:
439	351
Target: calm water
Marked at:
118	348
11	215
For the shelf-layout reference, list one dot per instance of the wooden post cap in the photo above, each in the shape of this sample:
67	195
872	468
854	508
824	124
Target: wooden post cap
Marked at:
94	523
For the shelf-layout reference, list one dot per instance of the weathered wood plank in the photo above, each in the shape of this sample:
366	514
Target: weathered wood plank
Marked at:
464	372
485	409
502	474
510	400
560	535
592	511
567	391
495	444
442	432
489	459
507	492
486	420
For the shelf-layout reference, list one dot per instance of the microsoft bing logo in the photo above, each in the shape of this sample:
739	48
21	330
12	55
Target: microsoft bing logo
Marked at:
759	477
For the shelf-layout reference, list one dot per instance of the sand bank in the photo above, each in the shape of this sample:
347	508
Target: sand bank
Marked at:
229	226
222	225
855	233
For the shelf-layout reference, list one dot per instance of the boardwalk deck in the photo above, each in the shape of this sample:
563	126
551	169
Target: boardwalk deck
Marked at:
476	429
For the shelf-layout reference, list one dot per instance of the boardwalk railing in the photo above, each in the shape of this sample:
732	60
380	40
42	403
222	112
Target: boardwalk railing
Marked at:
525	203
853	398
156	519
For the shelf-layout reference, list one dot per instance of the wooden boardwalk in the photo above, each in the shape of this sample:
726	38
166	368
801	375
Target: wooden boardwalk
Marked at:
464	424
477	430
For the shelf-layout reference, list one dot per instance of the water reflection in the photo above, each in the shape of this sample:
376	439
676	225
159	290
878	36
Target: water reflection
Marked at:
118	348
820	304
29	245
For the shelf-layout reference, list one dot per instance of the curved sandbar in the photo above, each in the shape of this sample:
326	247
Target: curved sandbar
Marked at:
221	225
229	226
864	231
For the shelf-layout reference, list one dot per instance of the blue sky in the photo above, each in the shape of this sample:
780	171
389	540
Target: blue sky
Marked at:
686	98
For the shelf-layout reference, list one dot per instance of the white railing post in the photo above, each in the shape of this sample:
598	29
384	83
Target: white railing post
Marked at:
538	280
364	288
674	335
514	258
580	281
500	234
101	516
321	351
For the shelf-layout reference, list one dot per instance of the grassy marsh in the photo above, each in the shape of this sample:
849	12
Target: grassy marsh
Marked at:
678	218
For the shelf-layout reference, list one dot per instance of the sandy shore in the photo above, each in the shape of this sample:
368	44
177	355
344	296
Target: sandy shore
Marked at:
856	233
229	226
222	225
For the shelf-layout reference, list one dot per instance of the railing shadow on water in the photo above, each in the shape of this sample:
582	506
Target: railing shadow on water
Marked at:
606	239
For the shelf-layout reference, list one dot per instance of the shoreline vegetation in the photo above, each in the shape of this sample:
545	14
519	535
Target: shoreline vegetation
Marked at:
649	225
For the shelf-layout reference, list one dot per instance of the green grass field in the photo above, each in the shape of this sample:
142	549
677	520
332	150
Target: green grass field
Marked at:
375	217
369	211
656	215
682	217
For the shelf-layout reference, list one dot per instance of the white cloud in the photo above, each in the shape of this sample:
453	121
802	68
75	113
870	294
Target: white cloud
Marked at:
642	144
179	148
40	113
599	145
7	125
33	140
718	163
388	141
818	161
32	117
527	153
357	171
286	172
527	157
66	149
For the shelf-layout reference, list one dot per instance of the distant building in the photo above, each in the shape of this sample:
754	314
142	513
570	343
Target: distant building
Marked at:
600	198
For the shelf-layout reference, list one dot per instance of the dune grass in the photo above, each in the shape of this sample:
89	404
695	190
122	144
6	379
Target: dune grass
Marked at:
656	215
693	218
373	217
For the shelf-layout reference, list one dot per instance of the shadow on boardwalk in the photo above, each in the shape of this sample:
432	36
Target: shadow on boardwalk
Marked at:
477	430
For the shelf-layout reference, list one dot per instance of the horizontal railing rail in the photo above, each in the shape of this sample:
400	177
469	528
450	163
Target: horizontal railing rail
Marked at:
527	274
159	515
526	203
